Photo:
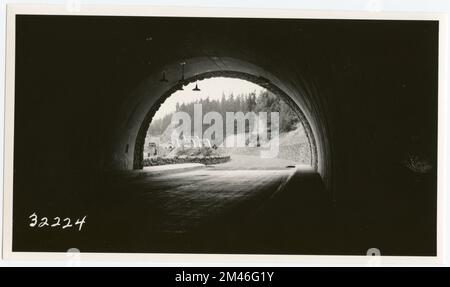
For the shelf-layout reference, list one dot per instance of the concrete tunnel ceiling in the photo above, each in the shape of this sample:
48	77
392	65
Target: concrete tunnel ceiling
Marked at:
139	108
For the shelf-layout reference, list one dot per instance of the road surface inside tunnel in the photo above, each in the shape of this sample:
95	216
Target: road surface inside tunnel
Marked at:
216	210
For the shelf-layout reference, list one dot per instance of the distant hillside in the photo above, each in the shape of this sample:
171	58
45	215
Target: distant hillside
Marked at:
263	102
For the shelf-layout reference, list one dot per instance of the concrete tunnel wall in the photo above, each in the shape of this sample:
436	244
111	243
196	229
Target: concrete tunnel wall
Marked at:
146	99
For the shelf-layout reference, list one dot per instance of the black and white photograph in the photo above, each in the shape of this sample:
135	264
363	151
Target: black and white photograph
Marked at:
223	133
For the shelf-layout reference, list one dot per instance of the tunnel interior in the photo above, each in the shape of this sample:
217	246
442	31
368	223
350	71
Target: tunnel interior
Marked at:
86	89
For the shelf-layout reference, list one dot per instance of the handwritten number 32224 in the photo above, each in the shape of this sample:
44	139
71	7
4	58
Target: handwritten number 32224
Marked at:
57	221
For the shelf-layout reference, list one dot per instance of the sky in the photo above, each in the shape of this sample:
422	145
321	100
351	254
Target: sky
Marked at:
212	88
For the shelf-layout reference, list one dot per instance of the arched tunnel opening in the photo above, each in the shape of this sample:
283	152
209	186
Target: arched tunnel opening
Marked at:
144	102
220	102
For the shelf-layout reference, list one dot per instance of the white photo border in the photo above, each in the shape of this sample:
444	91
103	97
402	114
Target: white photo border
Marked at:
219	259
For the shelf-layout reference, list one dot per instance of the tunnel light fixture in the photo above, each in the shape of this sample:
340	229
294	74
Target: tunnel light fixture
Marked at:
182	80
163	78
196	89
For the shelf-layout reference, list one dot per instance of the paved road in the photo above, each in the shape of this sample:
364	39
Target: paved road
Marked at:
244	162
212	210
187	201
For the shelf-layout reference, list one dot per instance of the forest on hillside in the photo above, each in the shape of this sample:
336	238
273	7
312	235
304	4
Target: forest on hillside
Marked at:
265	101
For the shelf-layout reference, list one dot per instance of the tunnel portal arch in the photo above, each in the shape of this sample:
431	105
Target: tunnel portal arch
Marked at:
140	106
258	80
